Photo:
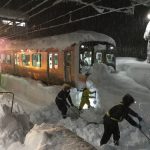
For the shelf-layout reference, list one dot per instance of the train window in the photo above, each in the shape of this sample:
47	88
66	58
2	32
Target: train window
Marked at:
98	57
3	58
36	60
56	61
68	59
110	58
86	58
16	59
85	61
8	59
50	61
25	60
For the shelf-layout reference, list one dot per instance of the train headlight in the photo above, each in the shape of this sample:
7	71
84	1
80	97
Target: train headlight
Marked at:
148	16
82	46
111	47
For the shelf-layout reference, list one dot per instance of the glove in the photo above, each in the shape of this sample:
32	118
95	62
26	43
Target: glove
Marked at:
139	126
139	118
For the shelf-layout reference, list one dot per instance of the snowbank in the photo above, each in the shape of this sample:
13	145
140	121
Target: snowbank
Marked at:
13	126
52	137
110	88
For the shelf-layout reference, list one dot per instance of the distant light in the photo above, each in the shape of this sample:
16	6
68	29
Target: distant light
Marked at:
8	22
135	102
21	24
148	16
111	47
82	46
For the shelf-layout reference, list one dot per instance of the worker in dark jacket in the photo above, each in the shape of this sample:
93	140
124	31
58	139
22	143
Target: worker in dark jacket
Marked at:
117	114
61	100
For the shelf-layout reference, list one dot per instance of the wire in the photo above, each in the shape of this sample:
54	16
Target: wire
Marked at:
6	4
68	12
61	15
25	13
85	18
54	18
25	4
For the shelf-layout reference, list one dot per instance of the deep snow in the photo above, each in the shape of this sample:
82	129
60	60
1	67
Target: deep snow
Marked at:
38	102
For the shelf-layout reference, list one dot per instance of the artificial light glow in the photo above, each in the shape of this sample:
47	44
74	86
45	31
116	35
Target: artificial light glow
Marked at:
21	24
148	16
7	22
82	46
111	47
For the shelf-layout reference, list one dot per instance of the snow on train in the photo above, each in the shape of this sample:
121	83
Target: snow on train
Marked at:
57	59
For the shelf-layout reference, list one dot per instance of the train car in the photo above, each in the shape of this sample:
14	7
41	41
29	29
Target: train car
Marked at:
57	59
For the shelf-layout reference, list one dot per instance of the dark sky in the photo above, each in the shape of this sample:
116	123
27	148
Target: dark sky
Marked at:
126	29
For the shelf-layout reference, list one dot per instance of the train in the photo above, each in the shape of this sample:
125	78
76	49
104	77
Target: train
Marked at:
57	59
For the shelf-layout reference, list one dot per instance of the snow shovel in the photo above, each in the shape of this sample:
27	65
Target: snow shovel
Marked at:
141	130
73	112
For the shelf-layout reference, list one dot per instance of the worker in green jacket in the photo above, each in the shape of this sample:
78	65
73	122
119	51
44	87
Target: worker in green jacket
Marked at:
85	98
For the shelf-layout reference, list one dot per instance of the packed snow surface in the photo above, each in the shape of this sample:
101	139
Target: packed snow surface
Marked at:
38	102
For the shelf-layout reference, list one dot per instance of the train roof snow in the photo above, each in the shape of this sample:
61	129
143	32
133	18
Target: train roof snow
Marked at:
59	41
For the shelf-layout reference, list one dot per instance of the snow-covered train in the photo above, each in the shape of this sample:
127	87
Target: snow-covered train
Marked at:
57	59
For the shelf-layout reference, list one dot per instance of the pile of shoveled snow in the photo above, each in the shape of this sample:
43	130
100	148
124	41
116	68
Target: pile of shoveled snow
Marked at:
51	137
13	126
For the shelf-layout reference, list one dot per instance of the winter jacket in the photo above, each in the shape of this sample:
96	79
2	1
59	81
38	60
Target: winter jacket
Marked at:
63	96
120	112
85	95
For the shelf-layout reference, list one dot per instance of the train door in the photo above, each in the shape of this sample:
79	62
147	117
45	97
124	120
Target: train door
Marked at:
67	66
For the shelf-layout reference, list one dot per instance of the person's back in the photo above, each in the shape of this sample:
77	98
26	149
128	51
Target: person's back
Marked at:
85	98
85	94
61	100
116	114
119	112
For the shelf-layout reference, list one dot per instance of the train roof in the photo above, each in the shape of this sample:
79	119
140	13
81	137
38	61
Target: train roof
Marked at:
60	41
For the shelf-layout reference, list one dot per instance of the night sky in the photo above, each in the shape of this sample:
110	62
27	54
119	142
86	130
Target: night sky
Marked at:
127	29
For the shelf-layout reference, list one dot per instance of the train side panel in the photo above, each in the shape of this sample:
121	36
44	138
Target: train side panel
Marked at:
26	66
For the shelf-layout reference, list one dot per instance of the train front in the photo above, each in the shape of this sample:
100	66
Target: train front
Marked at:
95	52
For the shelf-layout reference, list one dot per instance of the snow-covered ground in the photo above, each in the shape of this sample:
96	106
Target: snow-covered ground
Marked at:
37	100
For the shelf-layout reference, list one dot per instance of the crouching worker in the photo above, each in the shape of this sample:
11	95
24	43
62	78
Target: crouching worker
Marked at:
85	98
62	100
117	114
